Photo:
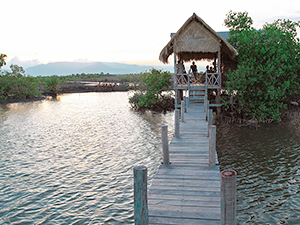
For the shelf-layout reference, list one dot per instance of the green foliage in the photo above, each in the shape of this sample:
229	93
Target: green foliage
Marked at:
238	21
2	60
27	87
17	71
268	66
15	85
52	84
151	87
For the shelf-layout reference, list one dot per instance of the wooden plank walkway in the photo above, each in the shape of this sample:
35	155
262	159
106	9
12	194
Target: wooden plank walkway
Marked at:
188	190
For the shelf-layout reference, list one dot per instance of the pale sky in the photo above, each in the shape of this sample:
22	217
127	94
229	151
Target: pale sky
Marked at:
130	31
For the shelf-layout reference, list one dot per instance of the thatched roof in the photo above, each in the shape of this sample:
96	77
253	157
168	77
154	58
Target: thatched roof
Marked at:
196	40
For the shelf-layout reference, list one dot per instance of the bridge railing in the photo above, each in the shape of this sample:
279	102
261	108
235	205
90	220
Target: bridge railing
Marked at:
181	79
213	80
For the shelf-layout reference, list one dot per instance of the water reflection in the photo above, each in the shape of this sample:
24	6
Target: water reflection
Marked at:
70	161
267	163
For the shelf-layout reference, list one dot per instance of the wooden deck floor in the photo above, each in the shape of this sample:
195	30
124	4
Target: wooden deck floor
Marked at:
188	190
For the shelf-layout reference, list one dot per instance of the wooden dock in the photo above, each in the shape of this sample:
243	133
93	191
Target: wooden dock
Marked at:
188	190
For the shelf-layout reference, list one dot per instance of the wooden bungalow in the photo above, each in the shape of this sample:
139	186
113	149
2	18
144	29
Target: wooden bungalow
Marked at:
196	40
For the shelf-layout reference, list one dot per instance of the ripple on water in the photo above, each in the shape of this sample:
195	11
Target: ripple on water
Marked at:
71	161
267	161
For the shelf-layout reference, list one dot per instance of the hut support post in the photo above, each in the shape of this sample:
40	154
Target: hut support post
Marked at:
228	197
176	97
207	108
189	96
218	100
165	144
177	123
219	59
182	110
212	145
215	62
210	118
140	195
179	96
206	95
185	103
174	78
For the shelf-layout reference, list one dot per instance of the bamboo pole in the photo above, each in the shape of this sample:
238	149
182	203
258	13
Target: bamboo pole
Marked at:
182	110
140	195
177	123
212	145
228	197
165	144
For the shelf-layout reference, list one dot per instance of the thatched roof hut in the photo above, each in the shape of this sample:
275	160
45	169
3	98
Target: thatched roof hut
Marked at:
196	40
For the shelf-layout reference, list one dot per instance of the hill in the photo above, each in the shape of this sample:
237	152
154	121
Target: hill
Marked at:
68	68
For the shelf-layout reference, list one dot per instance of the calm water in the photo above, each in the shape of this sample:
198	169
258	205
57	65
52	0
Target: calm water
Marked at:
267	161
70	162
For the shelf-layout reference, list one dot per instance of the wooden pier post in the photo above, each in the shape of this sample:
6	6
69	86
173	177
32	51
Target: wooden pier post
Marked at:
182	111
212	145
207	108
186	103
177	123
228	197
210	118
140	195
165	144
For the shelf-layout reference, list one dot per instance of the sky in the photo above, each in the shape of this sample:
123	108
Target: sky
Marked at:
128	31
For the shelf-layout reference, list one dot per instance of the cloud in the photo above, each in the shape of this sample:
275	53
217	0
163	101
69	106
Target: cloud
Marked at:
24	63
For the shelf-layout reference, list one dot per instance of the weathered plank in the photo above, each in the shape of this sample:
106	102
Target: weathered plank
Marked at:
187	191
183	221
185	212
184	198
197	203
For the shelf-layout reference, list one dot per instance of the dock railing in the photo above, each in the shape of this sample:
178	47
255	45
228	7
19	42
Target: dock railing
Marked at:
213	80
227	177
181	79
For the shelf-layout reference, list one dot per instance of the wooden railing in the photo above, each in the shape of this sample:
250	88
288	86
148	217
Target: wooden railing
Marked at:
212	80
228	179
180	79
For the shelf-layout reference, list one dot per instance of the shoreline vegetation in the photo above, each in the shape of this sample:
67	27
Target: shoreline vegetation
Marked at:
15	86
146	95
151	89
265	82
152	92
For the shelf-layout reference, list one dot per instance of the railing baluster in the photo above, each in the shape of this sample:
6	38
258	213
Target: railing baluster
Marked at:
213	79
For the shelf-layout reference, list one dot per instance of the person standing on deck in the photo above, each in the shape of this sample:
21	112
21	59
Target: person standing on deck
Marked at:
179	67
181	71
193	68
